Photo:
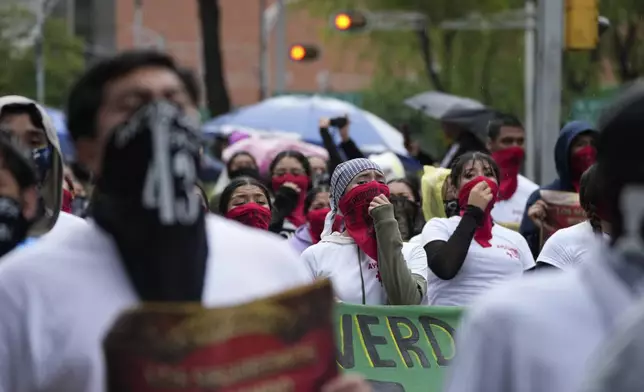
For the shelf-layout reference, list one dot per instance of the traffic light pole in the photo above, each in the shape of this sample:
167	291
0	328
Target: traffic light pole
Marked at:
280	49
550	44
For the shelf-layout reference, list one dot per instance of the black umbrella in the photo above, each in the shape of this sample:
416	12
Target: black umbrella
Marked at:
474	121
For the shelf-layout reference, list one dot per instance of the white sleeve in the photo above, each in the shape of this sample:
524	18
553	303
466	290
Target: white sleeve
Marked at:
435	229
554	252
417	261
483	360
16	366
526	254
308	258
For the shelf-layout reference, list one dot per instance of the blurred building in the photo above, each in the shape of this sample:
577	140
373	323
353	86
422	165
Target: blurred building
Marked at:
109	26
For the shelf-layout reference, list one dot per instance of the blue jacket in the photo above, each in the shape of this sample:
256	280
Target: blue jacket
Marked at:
563	183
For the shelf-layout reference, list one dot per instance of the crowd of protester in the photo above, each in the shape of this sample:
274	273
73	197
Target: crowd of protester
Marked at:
474	234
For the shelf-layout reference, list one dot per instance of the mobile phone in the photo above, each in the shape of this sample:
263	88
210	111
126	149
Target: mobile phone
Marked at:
338	122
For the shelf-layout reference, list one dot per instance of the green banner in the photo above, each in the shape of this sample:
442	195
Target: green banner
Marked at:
397	348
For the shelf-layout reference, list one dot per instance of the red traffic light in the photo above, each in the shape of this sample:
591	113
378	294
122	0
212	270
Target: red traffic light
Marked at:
349	21
299	52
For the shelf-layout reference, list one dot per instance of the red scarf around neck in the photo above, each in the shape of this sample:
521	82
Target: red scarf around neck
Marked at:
316	223
354	206
296	217
509	161
483	233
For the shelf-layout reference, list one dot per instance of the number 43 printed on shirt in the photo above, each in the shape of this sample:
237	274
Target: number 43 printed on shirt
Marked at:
170	181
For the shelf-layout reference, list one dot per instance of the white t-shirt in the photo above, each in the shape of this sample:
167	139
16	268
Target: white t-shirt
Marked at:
66	222
415	255
539	333
59	297
571	246
511	211
483	268
338	258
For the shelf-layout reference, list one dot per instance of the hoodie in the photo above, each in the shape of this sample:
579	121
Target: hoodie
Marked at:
52	188
301	239
563	183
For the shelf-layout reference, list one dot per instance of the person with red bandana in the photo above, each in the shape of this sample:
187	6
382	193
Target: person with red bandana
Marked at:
246	201
468	254
316	207
290	181
506	138
365	261
575	152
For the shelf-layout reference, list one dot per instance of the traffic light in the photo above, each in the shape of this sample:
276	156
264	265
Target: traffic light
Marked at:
582	28
301	52
349	21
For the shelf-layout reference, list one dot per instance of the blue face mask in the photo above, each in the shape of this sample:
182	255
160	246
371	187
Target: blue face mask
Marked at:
43	159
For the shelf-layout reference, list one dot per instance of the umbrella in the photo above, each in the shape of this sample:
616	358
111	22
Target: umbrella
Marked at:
473	120
435	104
264	149
300	114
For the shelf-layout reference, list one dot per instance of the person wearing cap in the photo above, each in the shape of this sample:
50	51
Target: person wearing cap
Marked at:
365	261
543	332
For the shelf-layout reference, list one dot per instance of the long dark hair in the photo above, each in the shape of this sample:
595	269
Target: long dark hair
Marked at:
407	181
473	156
236	183
291	154
310	197
238	154
590	195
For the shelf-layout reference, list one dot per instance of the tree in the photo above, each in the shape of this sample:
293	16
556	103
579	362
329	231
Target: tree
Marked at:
626	37
216	91
64	59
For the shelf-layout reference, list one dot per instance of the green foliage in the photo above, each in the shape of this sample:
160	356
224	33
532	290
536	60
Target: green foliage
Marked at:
484	65
63	53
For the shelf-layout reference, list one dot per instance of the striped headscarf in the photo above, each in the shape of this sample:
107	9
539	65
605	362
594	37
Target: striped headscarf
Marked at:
342	176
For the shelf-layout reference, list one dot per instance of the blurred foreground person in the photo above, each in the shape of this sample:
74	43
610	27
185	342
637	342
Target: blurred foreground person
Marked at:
506	138
569	247
19	200
365	262
29	123
59	296
541	333
467	255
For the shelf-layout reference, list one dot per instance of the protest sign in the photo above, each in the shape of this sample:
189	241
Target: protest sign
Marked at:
563	211
281	343
397	348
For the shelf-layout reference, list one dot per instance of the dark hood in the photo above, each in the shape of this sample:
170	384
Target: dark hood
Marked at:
562	149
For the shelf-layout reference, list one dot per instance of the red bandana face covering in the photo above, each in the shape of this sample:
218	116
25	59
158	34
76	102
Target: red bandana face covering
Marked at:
302	181
580	162
316	223
509	161
251	214
483	234
354	206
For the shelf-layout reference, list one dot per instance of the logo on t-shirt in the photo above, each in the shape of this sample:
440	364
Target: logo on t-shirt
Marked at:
513	253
